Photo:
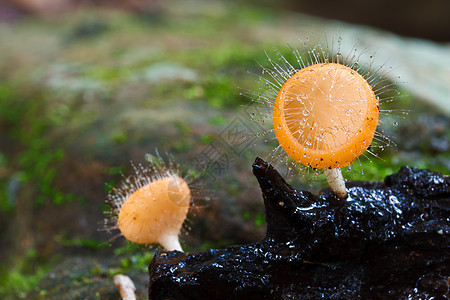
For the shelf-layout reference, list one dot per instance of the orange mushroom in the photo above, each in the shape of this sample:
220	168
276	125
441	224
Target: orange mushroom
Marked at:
325	114
155	213
151	207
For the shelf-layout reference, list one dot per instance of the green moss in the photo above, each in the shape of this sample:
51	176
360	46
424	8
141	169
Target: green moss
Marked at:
183	128
206	139
131	257
220	92
38	156
218	121
23	277
260	219
80	242
115	170
119	136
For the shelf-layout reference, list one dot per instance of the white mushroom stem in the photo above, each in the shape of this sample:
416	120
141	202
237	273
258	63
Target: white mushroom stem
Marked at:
336	182
170	242
126	287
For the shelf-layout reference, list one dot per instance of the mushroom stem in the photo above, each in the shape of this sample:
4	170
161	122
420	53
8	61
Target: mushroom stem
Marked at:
126	287
336	182
170	242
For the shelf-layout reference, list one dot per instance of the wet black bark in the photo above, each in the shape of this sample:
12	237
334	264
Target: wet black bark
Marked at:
385	241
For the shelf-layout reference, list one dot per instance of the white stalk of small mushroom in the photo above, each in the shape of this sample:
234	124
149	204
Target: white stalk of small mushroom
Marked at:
336	182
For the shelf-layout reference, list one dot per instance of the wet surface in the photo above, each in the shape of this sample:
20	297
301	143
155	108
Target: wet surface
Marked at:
385	240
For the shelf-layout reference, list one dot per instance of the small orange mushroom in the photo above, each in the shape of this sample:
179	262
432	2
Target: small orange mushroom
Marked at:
152	206
155	213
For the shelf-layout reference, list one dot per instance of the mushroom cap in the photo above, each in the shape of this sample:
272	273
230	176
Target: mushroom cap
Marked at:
325	115
155	211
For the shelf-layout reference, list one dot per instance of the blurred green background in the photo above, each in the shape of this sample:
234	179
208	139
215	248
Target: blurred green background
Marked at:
88	86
